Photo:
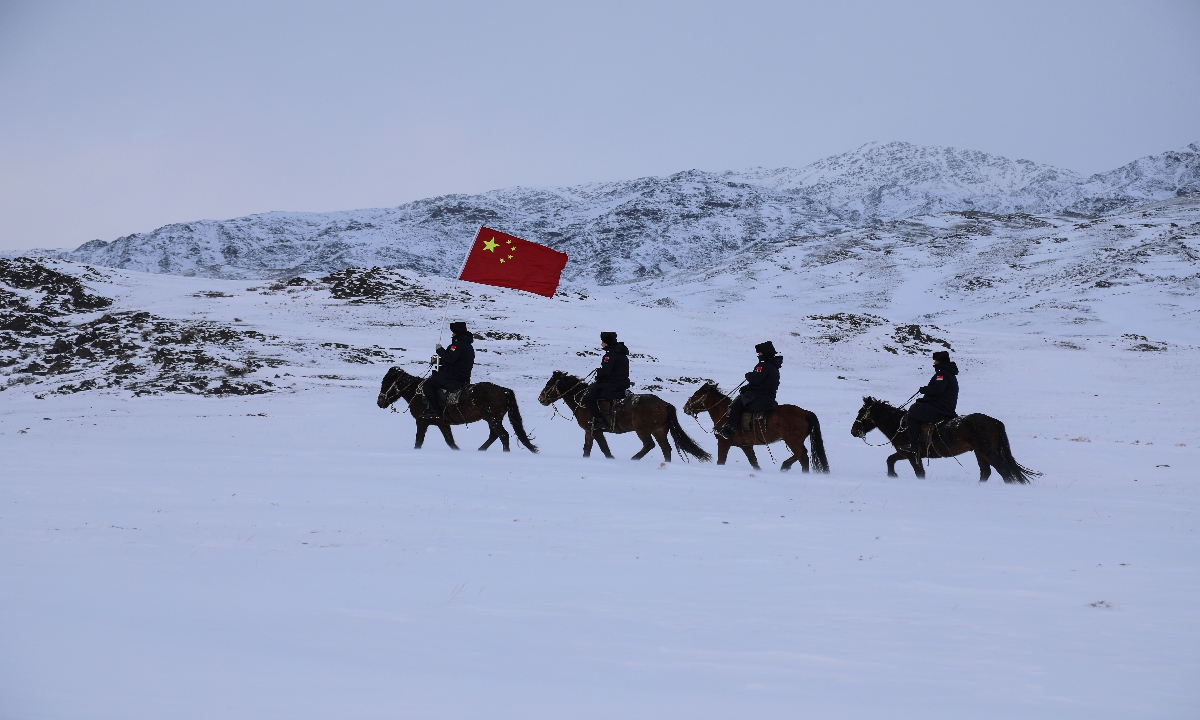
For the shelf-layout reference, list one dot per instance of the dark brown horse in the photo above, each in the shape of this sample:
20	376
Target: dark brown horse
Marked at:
985	435
651	417
788	423
484	401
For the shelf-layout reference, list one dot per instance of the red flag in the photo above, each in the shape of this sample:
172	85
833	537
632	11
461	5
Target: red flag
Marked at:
507	261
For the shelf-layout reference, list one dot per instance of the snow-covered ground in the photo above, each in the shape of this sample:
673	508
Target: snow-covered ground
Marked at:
289	554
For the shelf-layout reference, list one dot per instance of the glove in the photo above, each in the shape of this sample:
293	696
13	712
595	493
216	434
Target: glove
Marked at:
439	346
923	390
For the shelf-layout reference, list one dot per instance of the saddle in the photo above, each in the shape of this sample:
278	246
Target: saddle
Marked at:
749	419
609	408
928	429
448	398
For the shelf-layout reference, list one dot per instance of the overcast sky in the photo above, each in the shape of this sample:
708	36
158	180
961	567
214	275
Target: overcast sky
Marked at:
122	117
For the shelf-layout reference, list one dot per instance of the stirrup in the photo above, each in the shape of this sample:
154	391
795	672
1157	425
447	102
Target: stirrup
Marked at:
599	424
726	431
430	415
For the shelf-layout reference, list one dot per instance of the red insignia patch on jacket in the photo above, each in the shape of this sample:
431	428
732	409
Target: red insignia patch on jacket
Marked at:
605	359
939	377
758	368
455	347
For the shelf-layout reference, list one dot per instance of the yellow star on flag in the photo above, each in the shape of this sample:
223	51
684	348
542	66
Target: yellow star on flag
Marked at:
490	245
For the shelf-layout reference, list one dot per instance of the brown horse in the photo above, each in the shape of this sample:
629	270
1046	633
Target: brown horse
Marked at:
978	432
651	417
484	401
788	423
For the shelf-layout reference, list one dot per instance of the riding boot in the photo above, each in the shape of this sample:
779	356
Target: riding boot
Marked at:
432	411
726	431
914	438
599	423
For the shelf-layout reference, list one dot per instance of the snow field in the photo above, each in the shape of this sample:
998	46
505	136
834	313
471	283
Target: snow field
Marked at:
187	557
291	555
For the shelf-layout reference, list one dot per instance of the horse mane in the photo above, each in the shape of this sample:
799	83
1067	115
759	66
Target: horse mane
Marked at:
869	400
565	375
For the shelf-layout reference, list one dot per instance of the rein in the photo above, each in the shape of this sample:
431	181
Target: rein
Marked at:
569	390
890	440
707	408
392	387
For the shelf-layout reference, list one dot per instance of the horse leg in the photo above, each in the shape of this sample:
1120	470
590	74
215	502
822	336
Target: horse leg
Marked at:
496	429
985	470
422	428
722	450
914	459
446	433
587	443
801	455
603	445
660	435
492	434
891	461
499	431
749	450
647	444
799	452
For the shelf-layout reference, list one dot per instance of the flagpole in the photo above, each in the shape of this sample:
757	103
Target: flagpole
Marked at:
450	297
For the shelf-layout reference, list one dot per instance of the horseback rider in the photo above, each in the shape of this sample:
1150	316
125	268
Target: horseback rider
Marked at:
762	383
454	369
612	378
938	401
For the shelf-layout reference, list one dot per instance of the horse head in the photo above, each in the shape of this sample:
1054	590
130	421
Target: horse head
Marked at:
865	422
702	399
555	388
395	382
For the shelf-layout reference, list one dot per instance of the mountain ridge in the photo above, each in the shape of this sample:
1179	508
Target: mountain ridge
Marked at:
648	227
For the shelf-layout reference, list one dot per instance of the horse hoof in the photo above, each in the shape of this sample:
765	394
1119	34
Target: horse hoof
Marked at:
892	474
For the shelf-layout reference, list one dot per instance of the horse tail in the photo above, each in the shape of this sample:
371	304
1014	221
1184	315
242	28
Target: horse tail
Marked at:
514	417
683	443
1012	471
820	463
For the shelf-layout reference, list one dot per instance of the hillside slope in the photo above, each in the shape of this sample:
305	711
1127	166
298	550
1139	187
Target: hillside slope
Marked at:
649	227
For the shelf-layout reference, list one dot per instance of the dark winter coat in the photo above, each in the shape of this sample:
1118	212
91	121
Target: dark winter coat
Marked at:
613	374
941	394
456	361
762	384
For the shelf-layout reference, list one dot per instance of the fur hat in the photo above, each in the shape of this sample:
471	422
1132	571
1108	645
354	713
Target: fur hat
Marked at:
458	328
941	356
765	348
608	337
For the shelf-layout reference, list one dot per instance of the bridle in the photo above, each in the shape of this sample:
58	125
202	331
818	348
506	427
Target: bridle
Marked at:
387	393
569	390
866	413
696	415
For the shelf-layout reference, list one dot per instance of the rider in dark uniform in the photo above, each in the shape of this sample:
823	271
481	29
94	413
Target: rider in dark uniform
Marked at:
938	401
612	378
454	369
761	385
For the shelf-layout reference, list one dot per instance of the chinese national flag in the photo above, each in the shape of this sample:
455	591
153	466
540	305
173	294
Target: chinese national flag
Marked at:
507	261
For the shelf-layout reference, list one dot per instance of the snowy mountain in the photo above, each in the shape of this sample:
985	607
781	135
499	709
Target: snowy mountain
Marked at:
649	227
879	182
